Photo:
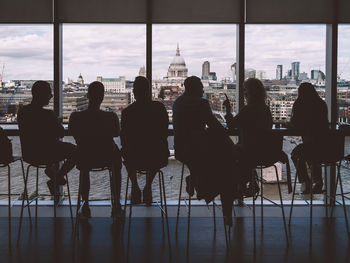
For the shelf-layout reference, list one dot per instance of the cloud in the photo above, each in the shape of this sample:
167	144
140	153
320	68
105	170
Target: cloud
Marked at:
112	50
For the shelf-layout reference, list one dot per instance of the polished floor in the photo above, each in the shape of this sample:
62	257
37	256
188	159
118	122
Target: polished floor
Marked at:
102	240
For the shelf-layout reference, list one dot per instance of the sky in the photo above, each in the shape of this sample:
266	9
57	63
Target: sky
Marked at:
120	50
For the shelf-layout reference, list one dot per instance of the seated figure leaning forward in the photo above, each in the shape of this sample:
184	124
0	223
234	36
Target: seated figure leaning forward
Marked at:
203	144
144	132
40	134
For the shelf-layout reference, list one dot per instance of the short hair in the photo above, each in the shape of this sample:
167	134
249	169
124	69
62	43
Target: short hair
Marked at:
192	84
255	90
141	87
40	86
96	91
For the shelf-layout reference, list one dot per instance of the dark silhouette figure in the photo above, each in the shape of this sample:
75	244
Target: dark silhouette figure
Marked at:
310	116
208	152
144	132
253	120
93	130
40	133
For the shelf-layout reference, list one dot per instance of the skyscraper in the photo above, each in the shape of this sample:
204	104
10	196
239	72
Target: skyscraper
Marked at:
279	72
205	70
315	74
295	70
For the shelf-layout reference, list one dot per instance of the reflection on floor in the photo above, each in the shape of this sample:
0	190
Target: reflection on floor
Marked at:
101	240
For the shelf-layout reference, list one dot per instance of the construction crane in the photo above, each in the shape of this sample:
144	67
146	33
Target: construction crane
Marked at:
2	75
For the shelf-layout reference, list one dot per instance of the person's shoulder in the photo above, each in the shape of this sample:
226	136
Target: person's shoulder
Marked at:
204	102
129	108
109	114
75	115
157	104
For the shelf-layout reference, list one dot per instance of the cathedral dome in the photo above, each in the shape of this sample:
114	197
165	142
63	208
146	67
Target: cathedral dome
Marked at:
177	68
178	60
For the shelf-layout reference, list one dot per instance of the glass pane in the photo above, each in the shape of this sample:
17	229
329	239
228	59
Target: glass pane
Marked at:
282	57
112	54
343	85
26	55
179	51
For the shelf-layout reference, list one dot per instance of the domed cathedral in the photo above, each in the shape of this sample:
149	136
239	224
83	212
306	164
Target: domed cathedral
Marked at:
177	69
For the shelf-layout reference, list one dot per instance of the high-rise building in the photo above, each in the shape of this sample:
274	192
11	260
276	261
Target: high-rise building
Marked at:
234	71
279	72
249	73
315	74
261	74
303	76
205	70
295	70
142	71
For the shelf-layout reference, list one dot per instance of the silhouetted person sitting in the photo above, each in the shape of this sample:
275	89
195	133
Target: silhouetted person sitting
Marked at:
144	132
93	130
40	133
253	119
309	115
206	151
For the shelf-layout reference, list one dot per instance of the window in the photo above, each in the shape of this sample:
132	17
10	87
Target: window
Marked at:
179	51
26	55
282	57
343	88
206	51
113	54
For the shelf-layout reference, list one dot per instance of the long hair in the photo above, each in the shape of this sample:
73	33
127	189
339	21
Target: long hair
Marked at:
255	92
307	93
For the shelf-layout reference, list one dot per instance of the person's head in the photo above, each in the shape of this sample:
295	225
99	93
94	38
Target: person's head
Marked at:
194	86
41	92
307	92
141	89
254	91
96	92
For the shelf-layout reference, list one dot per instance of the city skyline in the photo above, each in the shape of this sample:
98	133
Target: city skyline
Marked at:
27	51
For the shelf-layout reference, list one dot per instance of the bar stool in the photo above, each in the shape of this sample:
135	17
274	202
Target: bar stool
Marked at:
267	153
163	202
189	206
81	203
330	152
25	195
40	166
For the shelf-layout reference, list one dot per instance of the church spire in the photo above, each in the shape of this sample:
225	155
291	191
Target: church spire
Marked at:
178	50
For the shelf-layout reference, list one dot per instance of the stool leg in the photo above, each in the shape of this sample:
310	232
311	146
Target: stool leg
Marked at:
179	202
214	216
70	201
311	197
111	189
161	199
343	199
37	194
54	196
335	194
77	216
22	207
9	192
126	193
166	211
254	227
282	207
25	193
293	195
262	198
326	195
